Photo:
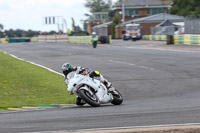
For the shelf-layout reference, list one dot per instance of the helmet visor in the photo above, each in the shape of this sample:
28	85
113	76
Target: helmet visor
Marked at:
67	71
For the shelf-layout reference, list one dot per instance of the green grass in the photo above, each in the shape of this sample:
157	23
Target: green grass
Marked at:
24	84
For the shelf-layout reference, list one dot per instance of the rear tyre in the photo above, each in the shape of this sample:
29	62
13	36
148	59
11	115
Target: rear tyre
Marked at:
94	44
89	98
117	97
124	38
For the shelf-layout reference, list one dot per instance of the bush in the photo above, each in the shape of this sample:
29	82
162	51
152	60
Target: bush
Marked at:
114	23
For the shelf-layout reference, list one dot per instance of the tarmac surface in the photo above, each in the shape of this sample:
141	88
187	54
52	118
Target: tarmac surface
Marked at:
159	84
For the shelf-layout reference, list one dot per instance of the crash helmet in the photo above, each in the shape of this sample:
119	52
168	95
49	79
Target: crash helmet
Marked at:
94	33
67	68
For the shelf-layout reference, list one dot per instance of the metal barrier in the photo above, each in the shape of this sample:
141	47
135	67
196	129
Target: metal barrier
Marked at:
187	39
42	38
155	37
192	26
18	40
166	30
184	39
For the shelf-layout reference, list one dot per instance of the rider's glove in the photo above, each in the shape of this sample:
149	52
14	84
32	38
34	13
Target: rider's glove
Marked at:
70	93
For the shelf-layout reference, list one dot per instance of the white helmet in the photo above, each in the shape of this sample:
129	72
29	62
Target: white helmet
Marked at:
93	33
66	68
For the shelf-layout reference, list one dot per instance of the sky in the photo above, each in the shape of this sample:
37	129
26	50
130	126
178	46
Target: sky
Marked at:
30	14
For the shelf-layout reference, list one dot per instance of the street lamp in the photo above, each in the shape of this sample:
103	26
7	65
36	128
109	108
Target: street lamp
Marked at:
123	14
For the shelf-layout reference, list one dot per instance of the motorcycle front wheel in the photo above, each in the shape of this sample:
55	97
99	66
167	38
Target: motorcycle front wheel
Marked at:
89	98
117	97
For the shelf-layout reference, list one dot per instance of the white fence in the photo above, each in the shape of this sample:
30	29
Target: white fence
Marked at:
192	26
53	38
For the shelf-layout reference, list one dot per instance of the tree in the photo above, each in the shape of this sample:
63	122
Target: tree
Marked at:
20	33
1	33
52	32
114	23
185	7
1	27
98	5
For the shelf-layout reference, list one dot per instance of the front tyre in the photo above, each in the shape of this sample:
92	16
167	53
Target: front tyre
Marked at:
117	97
89	98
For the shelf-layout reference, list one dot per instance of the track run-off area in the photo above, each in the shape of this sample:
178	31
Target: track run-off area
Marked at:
159	84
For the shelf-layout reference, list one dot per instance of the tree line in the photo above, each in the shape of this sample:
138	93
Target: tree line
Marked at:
18	33
187	8
22	33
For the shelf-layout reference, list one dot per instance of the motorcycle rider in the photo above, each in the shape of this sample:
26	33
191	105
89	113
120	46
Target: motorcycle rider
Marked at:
69	71
94	39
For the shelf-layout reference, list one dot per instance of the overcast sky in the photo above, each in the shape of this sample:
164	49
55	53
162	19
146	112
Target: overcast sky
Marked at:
29	14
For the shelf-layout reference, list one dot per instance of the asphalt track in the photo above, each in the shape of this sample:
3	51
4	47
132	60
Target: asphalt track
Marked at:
160	85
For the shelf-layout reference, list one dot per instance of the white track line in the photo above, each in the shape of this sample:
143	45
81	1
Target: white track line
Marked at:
150	126
131	64
49	69
118	128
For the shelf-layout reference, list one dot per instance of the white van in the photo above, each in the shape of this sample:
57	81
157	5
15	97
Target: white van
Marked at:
132	31
180	29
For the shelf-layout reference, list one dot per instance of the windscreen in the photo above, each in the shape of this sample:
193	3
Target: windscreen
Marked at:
132	28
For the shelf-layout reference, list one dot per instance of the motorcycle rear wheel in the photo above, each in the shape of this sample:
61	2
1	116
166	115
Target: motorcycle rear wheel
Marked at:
88	98
117	97
94	44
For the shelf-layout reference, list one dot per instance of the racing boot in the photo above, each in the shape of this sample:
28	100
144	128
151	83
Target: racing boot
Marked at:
96	74
108	85
80	101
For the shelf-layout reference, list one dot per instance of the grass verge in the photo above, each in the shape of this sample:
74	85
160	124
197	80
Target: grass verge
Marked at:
24	84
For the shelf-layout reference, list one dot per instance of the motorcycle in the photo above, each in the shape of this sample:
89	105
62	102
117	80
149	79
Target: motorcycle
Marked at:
94	42
92	91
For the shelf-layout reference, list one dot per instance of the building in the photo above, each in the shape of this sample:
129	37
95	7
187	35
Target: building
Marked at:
103	31
148	22
141	8
134	9
102	17
97	19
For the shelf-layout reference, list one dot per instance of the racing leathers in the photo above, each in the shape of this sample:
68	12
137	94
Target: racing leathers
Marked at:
93	74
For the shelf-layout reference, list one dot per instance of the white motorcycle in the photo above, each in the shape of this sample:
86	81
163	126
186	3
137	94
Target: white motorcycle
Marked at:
92	91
